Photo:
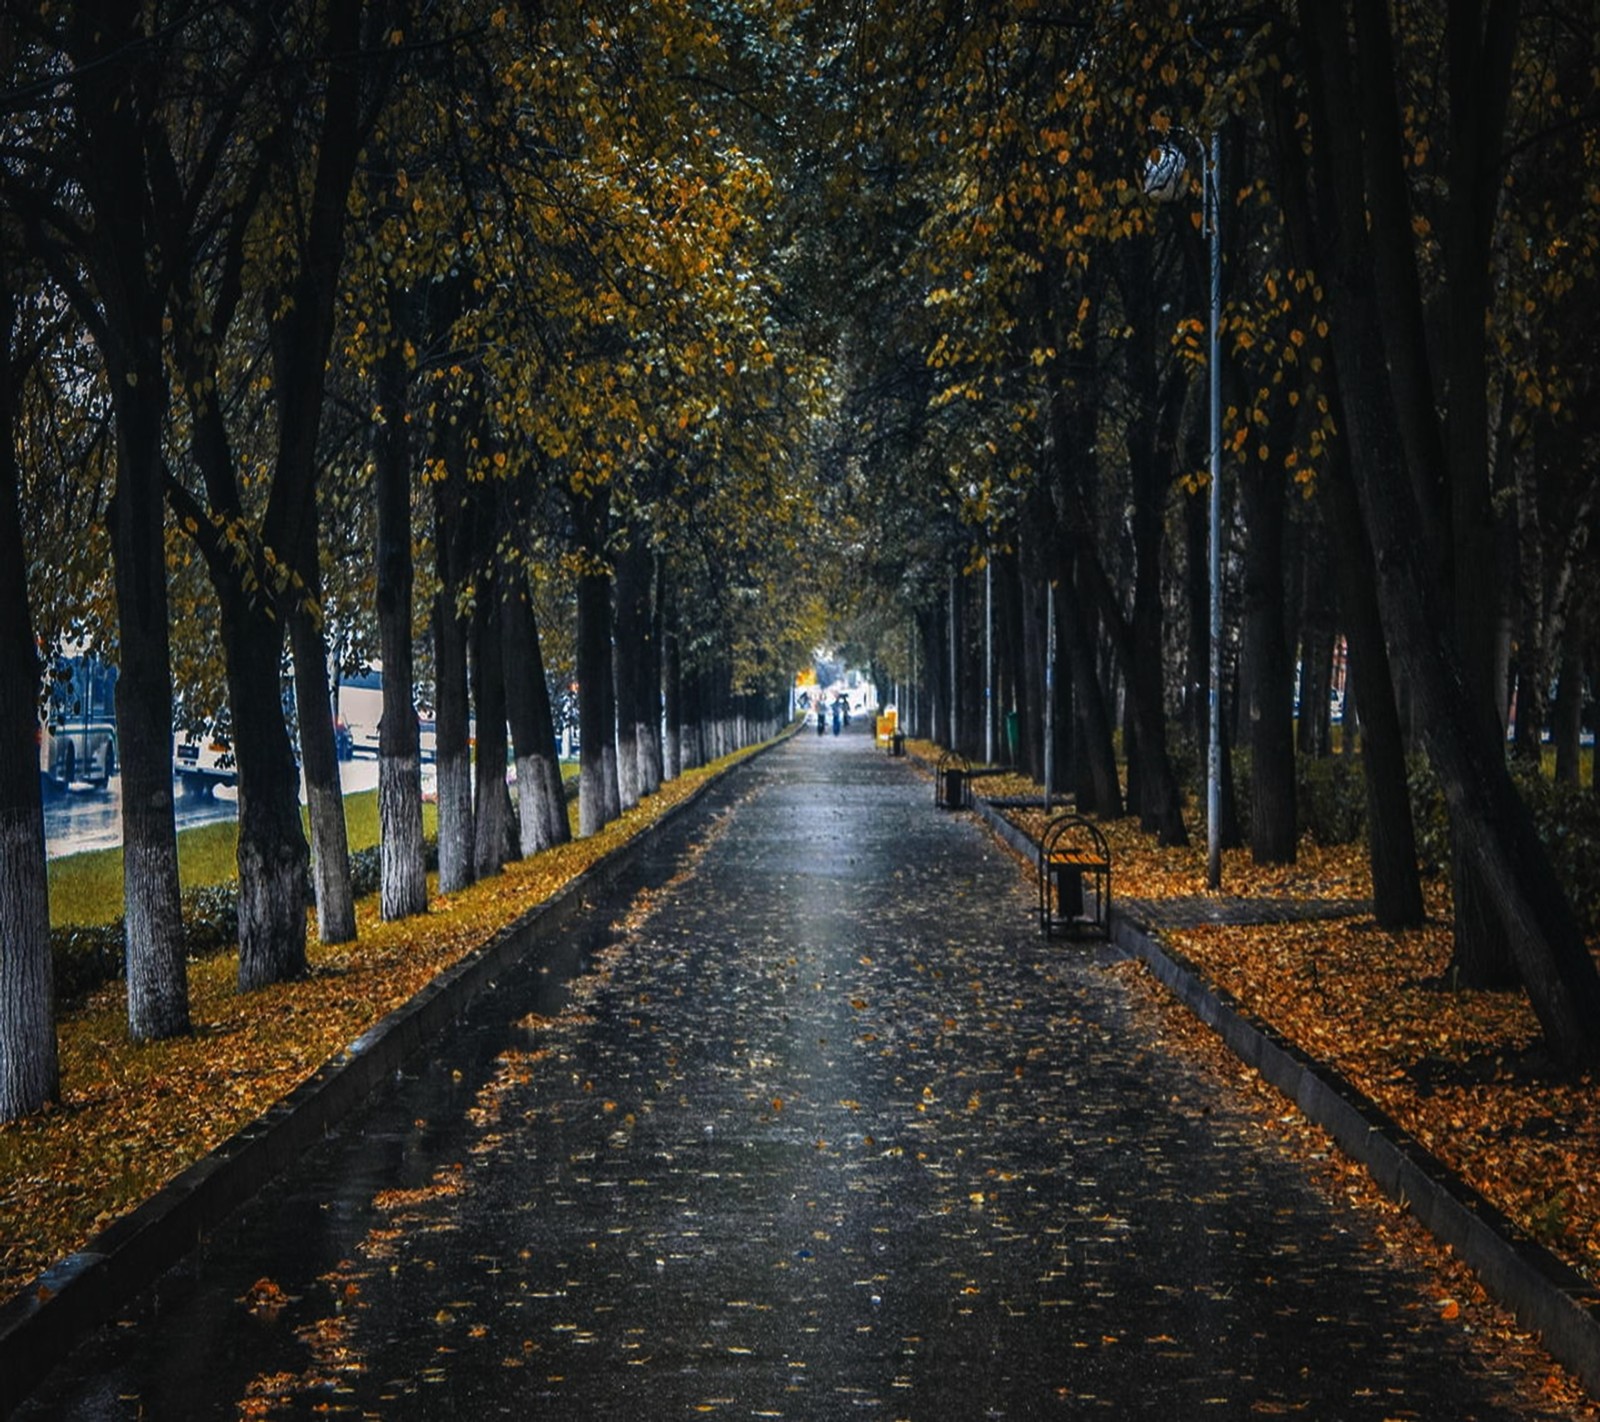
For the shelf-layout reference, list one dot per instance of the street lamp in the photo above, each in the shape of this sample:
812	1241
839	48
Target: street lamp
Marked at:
1163	180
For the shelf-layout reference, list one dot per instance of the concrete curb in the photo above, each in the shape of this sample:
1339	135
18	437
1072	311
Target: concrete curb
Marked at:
1546	1295
42	1323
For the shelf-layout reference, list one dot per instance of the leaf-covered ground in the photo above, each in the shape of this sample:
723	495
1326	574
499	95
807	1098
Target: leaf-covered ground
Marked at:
133	1116
1463	1071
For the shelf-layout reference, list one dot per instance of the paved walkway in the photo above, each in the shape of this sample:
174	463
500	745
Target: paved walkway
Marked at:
826	1131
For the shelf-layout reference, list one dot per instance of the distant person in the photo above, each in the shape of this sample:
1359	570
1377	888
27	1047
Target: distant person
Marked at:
822	719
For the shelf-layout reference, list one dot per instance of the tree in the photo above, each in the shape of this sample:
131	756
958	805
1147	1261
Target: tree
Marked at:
29	1071
1357	165
94	214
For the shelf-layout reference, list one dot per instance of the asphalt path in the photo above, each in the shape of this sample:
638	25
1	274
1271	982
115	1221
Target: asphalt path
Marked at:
821	1128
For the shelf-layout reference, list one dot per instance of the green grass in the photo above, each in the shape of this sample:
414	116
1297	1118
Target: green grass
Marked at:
87	888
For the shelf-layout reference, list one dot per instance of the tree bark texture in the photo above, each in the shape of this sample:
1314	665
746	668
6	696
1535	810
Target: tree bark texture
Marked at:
1269	693
272	854
29	1068
1074	629
630	632
672	765
108	41
1370	699
319	764
541	798
491	797
599	800
453	752
651	714
402	862
1370	702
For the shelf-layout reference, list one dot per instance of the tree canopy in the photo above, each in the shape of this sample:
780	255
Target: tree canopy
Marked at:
665	343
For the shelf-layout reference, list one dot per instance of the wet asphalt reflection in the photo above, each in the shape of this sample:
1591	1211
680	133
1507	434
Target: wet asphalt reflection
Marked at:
822	1129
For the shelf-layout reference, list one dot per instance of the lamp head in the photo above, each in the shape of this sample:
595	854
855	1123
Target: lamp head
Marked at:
1163	173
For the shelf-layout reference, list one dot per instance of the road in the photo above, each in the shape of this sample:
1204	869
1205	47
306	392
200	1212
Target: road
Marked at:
822	1128
83	818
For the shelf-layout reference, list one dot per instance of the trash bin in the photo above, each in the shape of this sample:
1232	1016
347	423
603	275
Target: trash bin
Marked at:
955	789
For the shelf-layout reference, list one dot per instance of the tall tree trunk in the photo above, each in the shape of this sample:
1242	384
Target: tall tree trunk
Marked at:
599	800
1567	731
158	990
1370	699
1099	755
272	846
652	760
29	1069
1370	692
107	41
1317	631
1269	692
630	631
1534	647
692	717
492	799
1028	577
272	854
541	798
672	765
1159	800
319	764
402	861
935	645
453	752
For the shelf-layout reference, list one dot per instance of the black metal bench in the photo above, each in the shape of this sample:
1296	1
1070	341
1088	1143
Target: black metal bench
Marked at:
1074	880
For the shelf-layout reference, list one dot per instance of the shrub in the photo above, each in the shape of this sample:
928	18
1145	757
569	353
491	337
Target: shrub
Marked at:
1430	820
365	871
1331	798
83	957
1569	824
211	919
87	956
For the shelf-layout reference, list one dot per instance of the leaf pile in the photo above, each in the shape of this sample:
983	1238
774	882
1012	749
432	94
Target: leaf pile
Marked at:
133	1116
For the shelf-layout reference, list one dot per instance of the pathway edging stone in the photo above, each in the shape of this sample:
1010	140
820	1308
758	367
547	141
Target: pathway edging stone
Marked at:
1545	1294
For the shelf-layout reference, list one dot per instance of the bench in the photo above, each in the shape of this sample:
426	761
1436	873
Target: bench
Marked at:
1074	880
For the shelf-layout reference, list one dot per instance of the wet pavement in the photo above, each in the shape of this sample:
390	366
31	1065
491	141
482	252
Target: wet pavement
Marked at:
822	1129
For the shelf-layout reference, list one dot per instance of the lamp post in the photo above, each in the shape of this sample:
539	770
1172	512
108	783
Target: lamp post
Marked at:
988	659
1163	177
